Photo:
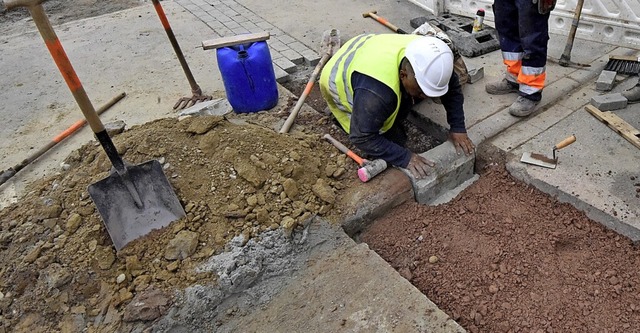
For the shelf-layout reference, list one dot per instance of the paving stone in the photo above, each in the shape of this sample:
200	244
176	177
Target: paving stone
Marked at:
285	64
222	7
278	46
232	25
191	7
286	39
311	58
281	75
275	54
297	46
609	102
230	12
240	19
276	32
213	12
253	17
476	74
240	31
293	56
252	27
606	80
225	19
215	25
224	32
265	25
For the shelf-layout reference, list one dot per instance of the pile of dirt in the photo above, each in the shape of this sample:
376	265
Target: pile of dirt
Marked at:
232	177
505	257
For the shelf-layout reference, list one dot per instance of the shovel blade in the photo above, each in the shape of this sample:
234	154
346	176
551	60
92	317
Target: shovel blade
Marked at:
539	160
124	219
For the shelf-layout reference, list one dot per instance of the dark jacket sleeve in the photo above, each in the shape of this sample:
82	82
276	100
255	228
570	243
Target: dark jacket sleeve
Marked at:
453	102
373	103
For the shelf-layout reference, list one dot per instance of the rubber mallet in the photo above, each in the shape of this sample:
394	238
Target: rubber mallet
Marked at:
368	169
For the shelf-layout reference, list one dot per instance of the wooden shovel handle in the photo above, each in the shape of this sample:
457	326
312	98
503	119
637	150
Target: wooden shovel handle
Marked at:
307	90
11	4
565	142
64	65
71	78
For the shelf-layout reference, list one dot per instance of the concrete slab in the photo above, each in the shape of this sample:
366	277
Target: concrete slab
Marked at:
345	287
586	175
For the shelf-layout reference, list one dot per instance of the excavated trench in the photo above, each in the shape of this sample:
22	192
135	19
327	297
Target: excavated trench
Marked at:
496	254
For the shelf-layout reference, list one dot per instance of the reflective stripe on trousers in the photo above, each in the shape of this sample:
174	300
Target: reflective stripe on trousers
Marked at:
530	79
524	34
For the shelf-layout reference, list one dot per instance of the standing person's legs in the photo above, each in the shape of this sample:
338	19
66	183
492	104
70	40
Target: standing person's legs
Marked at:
506	21
534	36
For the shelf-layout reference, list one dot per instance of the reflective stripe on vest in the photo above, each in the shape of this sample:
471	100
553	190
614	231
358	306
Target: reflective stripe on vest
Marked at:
345	59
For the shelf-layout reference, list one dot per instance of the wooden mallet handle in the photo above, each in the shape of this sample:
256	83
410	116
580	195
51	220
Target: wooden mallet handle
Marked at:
383	21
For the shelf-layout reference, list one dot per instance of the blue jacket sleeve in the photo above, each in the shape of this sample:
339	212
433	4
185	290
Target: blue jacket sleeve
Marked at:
373	103
453	102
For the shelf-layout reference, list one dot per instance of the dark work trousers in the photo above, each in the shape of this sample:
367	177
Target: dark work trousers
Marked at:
523	32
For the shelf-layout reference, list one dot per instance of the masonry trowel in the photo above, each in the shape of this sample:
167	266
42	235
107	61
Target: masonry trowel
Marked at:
544	161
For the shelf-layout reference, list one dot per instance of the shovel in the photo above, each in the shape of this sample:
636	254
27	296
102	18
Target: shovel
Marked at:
133	200
330	45
544	161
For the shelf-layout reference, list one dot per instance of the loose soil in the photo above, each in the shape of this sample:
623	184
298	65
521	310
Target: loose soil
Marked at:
505	257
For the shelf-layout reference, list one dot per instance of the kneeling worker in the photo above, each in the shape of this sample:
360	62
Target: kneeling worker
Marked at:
372	83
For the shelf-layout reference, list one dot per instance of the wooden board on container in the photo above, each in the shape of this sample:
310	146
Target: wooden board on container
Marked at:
617	124
235	40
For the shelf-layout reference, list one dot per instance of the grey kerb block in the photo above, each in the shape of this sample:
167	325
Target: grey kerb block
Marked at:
609	102
606	80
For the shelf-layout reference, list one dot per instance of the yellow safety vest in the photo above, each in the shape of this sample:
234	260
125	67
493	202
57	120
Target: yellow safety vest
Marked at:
377	56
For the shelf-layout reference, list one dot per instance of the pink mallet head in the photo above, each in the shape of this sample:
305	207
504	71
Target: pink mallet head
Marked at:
371	169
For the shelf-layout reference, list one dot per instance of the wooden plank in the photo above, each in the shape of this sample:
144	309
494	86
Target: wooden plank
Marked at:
235	40
616	123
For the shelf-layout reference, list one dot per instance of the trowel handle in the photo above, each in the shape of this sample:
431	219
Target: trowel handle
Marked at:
565	142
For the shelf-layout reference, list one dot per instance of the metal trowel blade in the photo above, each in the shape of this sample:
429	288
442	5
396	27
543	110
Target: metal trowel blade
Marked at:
539	160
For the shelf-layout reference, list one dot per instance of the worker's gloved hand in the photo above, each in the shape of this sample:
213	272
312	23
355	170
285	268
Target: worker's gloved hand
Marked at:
462	143
419	166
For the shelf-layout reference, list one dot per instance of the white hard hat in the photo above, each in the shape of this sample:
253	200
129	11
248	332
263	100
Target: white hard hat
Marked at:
432	62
